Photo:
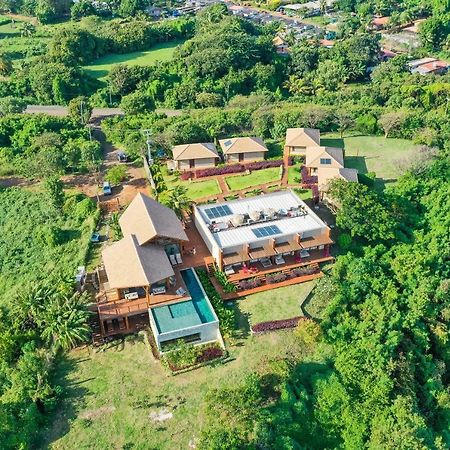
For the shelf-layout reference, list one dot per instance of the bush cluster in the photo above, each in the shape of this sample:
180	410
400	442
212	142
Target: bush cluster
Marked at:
233	168
274	325
225	315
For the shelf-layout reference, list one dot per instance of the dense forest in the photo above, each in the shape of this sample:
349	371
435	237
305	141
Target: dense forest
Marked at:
375	368
376	375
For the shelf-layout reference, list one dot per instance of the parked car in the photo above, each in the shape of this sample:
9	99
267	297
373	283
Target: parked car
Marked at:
95	237
122	157
107	188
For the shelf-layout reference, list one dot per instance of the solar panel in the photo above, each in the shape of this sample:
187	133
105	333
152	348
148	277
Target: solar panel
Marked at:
270	230
218	211
227	143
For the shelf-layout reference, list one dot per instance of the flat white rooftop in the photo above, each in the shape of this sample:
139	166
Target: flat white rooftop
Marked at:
281	214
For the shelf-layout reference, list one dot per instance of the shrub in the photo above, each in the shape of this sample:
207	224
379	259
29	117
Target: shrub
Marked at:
183	355
275	277
344	241
308	331
250	284
225	315
187	175
116	174
223	280
273	325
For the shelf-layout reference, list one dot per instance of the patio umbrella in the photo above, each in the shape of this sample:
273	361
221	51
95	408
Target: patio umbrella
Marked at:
269	212
255	215
237	220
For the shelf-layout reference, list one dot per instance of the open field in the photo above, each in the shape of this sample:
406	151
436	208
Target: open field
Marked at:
373	154
235	183
281	303
114	398
160	52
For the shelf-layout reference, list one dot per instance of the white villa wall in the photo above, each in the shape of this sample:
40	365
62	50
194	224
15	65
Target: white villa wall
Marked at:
199	163
206	235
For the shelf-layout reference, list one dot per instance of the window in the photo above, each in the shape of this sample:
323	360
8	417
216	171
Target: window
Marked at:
218	211
270	230
325	161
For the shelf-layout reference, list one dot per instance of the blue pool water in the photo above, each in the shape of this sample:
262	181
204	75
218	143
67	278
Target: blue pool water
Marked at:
185	314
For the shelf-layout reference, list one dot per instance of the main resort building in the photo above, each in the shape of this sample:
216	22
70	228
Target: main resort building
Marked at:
263	233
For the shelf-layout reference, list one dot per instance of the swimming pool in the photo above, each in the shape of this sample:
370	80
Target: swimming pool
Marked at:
187	314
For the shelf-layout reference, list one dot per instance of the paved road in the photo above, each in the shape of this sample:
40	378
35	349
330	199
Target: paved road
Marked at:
55	110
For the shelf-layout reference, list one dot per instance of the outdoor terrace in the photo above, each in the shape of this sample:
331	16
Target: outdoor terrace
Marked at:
257	270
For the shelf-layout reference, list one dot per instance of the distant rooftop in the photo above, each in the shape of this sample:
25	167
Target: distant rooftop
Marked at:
252	219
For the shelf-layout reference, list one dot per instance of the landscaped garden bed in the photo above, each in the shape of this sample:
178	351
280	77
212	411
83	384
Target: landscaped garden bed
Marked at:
224	313
274	325
233	168
187	356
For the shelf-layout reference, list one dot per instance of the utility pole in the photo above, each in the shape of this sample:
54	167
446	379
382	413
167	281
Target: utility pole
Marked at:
147	134
81	111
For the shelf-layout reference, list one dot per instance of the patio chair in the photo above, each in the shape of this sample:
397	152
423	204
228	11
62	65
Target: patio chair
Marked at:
279	260
173	261
178	258
266	262
180	291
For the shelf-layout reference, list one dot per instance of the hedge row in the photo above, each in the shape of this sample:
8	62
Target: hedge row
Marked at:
224	314
274	325
233	168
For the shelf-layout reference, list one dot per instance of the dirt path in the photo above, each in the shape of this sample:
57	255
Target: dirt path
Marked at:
90	184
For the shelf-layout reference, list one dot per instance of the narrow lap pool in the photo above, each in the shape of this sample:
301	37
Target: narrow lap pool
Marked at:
185	314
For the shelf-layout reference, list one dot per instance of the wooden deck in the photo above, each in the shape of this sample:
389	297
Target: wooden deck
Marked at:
191	257
265	287
316	256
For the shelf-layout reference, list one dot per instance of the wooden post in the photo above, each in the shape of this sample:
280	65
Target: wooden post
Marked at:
127	325
147	295
102	327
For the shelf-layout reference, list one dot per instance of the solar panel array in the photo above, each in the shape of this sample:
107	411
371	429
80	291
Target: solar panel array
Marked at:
218	211
269	230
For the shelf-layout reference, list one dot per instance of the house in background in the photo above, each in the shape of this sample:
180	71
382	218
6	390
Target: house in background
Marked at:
143	280
299	139
317	157
281	45
425	66
194	156
243	149
380	23
326	174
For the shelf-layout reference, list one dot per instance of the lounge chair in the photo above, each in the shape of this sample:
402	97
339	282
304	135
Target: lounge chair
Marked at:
159	290
180	291
178	258
266	262
279	260
304	254
173	261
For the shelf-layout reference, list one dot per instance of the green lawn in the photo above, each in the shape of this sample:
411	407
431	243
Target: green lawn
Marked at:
373	154
281	303
10	29
111	397
159	52
257	177
304	194
199	189
294	176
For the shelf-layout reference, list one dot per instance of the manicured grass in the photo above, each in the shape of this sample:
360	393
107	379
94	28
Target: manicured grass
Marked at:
281	303
235	183
199	189
10	29
110	397
160	52
373	154
304	194
294	176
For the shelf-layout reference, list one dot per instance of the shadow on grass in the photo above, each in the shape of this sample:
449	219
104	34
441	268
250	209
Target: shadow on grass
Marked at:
71	398
332	142
356	162
242	323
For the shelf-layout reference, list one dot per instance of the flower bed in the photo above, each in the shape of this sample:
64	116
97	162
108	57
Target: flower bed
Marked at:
233	168
306	270
249	284
273	325
185	356
308	179
275	277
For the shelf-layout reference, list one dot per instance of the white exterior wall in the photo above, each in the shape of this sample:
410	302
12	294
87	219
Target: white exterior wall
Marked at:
298	151
253	156
206	235
200	163
208	332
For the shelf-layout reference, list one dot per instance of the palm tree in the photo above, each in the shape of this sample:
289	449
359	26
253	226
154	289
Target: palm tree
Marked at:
115	226
179	201
64	321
